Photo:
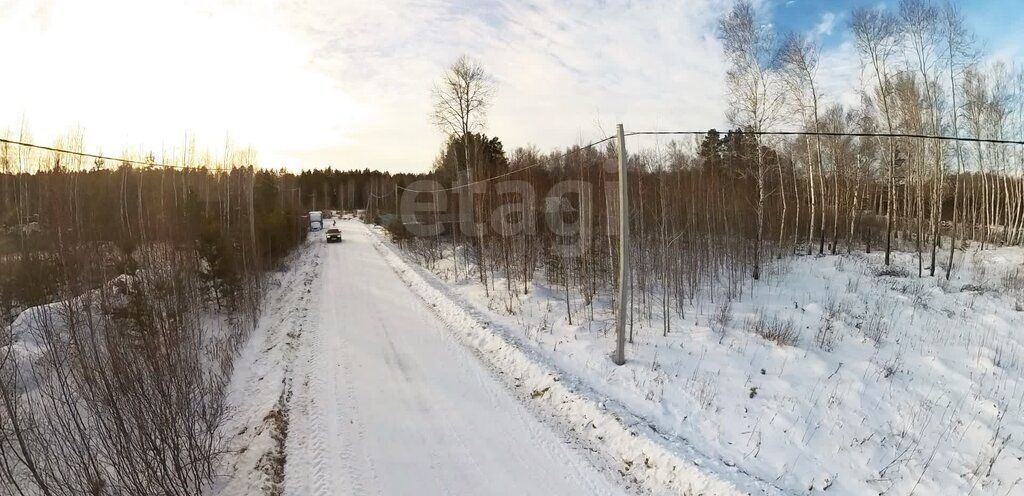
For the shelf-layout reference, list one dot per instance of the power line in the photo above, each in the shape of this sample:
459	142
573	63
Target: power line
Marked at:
835	134
91	155
575	150
755	133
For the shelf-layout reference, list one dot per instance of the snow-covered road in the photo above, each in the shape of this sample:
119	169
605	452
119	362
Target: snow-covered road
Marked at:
386	401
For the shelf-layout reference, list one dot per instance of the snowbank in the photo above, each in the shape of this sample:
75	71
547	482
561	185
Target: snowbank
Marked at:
834	373
260	388
621	439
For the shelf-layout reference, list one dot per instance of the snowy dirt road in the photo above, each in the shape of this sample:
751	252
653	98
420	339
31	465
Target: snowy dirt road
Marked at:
386	401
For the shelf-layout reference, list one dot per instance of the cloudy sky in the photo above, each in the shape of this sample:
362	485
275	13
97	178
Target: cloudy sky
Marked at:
312	83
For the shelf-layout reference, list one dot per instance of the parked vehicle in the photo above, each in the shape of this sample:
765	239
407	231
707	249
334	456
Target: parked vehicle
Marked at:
316	220
333	235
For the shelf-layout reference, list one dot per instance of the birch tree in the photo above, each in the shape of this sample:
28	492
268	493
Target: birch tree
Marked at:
755	95
877	35
921	24
957	52
798	58
461	101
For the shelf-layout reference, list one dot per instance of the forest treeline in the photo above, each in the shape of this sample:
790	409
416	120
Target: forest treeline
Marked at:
711	214
133	288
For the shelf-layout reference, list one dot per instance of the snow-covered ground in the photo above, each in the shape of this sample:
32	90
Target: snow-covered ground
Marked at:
890	384
261	386
353	385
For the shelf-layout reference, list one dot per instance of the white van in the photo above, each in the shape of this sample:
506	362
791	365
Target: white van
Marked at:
316	220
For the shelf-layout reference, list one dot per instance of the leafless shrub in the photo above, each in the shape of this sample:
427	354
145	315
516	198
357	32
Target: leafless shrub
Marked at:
1013	282
721	319
704	388
877	324
892	365
140	405
777	330
1013	279
827	334
979	276
118	386
973	288
853	284
916	291
891	271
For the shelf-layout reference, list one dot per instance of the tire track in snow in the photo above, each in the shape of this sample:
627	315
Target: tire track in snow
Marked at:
313	459
484	378
352	432
387	402
295	460
260	393
317	401
612	433
350	429
551	460
407	366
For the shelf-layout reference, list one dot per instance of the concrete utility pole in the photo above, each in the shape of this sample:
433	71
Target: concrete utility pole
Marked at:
620	314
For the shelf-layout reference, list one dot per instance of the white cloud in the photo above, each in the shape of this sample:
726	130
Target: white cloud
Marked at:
840	74
825	25
142	74
566	71
348	83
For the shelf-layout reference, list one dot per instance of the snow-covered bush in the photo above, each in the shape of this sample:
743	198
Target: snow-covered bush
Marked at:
780	331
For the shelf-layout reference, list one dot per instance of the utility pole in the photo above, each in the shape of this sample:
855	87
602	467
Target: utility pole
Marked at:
620	314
